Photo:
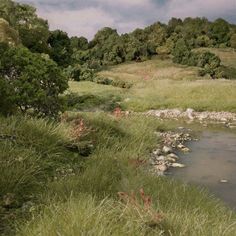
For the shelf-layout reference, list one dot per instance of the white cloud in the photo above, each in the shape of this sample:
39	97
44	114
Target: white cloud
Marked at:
208	8
85	17
78	22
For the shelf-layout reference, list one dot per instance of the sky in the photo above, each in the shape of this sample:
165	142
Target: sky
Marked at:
86	17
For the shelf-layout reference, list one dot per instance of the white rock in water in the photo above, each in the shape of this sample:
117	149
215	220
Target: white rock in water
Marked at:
166	149
172	155
178	165
170	159
186	149
224	181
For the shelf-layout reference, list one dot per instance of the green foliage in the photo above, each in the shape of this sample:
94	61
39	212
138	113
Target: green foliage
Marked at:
35	82
79	43
60	48
7	33
181	52
80	73
219	31
33	31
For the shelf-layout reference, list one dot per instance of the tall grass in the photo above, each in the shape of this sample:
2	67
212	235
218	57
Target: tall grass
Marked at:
88	204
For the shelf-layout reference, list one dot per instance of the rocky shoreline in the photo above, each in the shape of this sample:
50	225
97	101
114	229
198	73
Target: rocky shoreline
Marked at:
226	118
164	157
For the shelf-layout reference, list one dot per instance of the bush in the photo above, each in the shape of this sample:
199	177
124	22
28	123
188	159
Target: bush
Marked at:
35	82
103	80
181	52
79	73
121	84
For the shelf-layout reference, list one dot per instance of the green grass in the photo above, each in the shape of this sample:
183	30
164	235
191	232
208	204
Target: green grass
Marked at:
48	186
87	203
161	84
32	152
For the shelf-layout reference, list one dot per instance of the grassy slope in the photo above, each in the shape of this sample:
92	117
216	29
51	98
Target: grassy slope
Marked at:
162	84
87	204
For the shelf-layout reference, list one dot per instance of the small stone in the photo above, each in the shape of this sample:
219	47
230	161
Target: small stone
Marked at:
157	152
161	158
166	149
172	155
161	168
224	181
177	165
186	149
170	159
183	148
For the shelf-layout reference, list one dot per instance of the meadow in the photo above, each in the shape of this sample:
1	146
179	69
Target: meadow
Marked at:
76	176
160	84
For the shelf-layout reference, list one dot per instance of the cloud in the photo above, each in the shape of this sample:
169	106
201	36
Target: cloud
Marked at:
85	17
78	22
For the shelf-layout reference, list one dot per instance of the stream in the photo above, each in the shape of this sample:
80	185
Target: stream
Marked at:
211	163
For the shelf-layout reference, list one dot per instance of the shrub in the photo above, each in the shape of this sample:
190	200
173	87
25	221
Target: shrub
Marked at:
79	73
181	52
103	80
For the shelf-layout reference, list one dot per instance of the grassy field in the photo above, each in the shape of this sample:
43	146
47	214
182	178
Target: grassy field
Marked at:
86	203
161	84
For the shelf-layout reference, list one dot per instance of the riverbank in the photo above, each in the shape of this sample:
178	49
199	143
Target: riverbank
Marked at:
122	145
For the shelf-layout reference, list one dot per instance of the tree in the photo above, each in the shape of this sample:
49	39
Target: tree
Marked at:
181	52
79	43
60	48
34	81
219	31
7	33
33	31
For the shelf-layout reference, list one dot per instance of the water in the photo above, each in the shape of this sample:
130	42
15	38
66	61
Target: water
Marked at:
212	159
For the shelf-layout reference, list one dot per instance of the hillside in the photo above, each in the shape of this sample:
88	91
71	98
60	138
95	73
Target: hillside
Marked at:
159	83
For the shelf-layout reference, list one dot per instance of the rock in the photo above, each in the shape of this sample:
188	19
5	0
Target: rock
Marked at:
180	146
177	165
183	148
161	168
173	156
186	149
224	181
166	149
170	159
157	152
160	158
189	112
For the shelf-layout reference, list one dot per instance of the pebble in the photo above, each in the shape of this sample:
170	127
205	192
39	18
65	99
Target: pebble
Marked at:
172	155
224	181
157	152
177	165
167	150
